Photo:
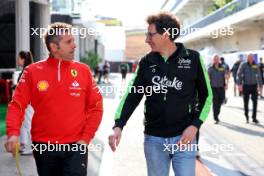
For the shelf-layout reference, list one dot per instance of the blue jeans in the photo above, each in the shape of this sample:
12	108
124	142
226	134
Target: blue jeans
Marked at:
161	152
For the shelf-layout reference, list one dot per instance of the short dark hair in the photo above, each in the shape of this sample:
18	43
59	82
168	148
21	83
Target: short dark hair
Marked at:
165	20
54	32
27	56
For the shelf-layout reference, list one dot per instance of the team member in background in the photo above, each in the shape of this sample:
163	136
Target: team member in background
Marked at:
170	118
218	76
106	69
226	67
24	59
123	69
67	104
100	72
249	81
261	68
234	74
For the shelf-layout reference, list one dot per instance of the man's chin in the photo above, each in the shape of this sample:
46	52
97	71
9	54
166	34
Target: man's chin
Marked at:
154	50
71	56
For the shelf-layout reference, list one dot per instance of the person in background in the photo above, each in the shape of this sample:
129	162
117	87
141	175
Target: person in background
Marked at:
123	69
106	70
227	70
134	66
234	74
96	72
249	81
261	68
218	76
24	59
100	72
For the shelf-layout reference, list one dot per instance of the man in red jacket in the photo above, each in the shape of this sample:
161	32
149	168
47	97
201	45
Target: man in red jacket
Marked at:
67	104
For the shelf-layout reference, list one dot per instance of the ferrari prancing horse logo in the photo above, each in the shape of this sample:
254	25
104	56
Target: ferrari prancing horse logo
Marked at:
74	72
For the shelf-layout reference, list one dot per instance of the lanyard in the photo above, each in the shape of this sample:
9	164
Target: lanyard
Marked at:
17	160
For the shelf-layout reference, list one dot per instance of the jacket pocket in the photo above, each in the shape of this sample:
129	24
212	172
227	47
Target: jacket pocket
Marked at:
177	111
154	112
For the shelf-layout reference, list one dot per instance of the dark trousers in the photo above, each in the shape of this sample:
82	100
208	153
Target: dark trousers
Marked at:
218	99
61	163
253	91
123	73
101	72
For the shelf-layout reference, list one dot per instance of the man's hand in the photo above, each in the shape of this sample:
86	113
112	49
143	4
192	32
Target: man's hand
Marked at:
188	135
259	89
226	86
11	143
240	88
114	138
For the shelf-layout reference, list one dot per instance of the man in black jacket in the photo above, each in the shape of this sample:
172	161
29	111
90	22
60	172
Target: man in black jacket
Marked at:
249	82
176	75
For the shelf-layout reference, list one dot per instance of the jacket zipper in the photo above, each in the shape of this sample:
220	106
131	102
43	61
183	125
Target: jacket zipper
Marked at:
166	62
59	74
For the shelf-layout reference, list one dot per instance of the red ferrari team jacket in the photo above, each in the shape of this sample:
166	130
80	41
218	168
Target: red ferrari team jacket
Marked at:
67	104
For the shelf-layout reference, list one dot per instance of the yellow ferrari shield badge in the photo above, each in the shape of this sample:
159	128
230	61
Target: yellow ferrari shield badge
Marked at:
74	72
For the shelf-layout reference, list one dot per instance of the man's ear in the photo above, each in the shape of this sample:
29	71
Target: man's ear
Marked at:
166	35
53	47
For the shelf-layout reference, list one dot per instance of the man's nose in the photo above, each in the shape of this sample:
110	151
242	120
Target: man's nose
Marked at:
147	40
74	46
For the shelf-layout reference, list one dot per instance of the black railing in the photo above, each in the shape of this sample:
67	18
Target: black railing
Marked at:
229	9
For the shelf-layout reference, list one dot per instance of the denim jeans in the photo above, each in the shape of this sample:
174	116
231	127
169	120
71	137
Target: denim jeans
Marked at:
161	152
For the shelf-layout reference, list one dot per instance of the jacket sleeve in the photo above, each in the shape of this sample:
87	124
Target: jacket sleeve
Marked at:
204	95
259	78
210	73
240	74
131	98
16	108
94	110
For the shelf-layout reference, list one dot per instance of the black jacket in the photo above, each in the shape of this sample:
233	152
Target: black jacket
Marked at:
177	84
249	74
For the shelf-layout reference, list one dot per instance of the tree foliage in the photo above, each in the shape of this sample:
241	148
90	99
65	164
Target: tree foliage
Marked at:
92	59
218	4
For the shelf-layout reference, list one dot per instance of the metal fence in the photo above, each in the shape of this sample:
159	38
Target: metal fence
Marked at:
227	10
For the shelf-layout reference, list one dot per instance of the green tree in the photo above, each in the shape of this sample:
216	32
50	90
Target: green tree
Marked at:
218	4
92	59
221	3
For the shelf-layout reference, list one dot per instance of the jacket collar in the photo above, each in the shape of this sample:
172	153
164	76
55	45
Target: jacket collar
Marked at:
253	63
181	52
55	61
